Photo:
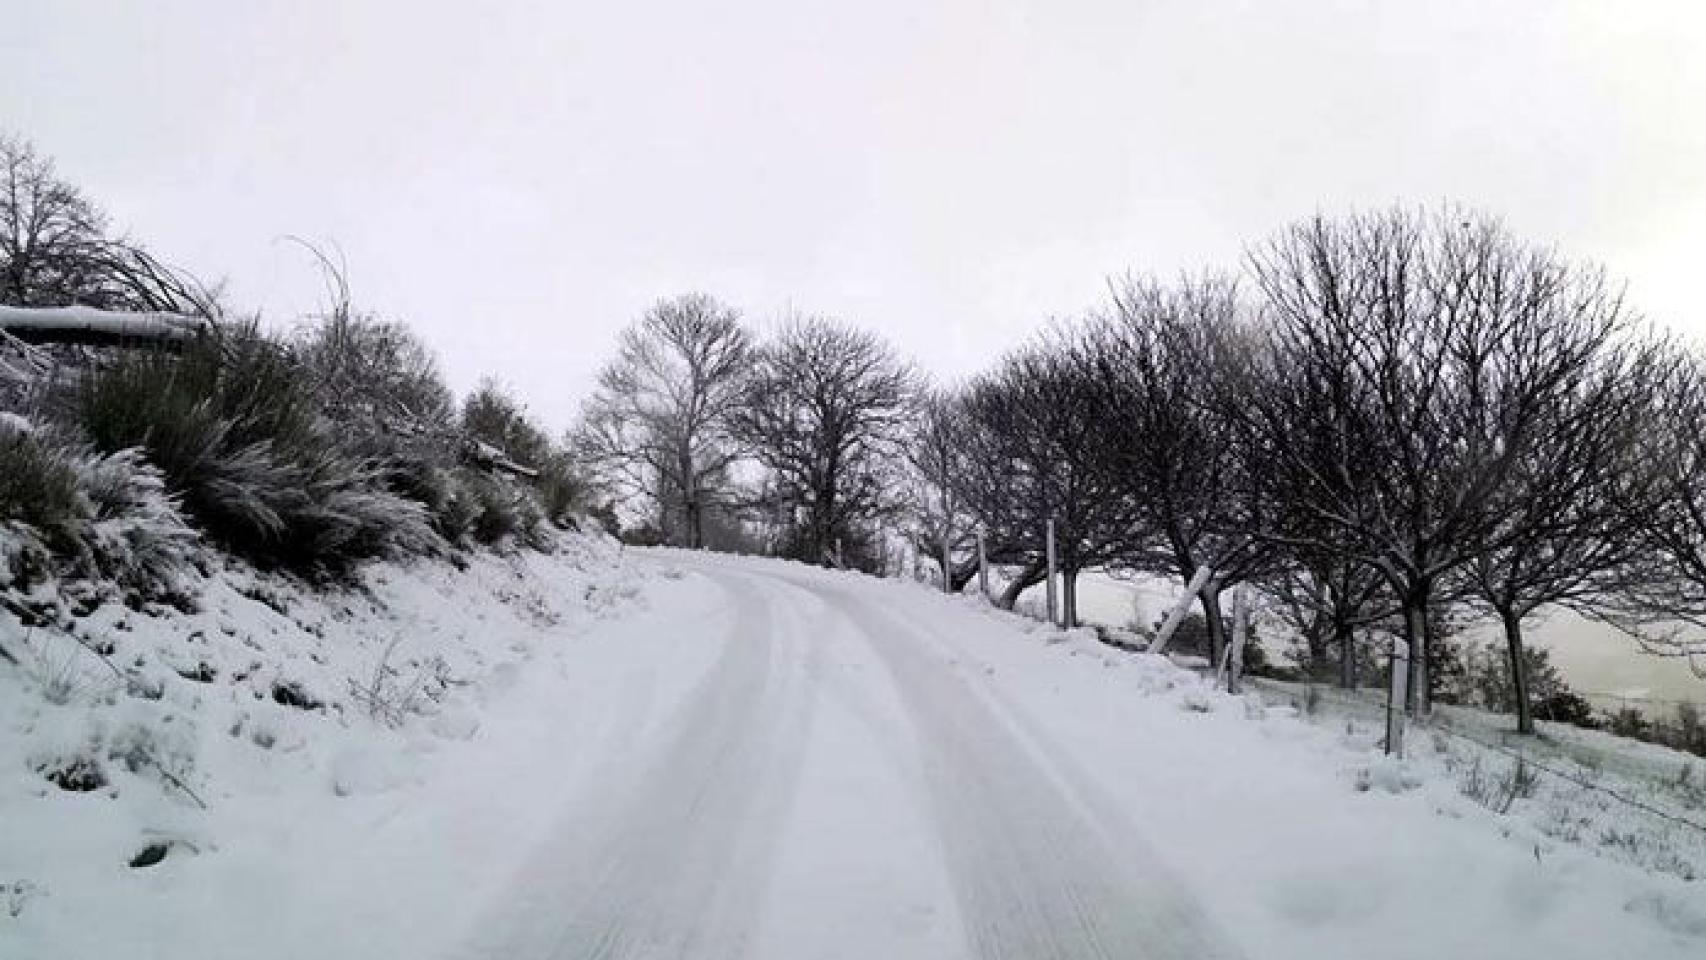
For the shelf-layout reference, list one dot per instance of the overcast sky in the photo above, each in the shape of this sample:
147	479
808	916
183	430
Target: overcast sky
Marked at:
519	180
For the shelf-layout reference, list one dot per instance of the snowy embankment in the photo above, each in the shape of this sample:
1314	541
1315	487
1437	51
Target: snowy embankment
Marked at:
288	767
682	755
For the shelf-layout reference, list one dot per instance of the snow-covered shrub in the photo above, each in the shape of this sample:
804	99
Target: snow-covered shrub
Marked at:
1498	791
375	378
232	424
348	513
503	510
218	421
559	490
136	536
562	492
38	486
490	415
68	509
452	504
392	692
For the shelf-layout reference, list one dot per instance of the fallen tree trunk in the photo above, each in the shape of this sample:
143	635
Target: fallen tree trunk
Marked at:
89	326
490	457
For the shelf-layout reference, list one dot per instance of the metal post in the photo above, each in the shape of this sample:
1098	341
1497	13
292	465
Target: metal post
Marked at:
982	567
1051	598
1395	697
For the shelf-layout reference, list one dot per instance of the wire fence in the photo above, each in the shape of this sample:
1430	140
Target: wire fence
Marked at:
1378	710
1601	698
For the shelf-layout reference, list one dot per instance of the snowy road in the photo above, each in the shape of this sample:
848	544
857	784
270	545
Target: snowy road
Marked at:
840	782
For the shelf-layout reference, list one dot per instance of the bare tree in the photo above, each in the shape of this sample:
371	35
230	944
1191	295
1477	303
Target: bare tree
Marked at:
659	426
1414	363
825	411
1561	530
1327	599
1659	597
938	460
1040	453
55	250
49	232
1157	359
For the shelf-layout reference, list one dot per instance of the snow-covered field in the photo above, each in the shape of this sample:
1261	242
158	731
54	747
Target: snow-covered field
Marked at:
666	754
1593	657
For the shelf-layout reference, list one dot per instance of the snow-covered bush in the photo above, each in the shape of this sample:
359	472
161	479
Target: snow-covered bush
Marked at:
562	491
501	510
38	487
381	387
67	509
233	425
375	378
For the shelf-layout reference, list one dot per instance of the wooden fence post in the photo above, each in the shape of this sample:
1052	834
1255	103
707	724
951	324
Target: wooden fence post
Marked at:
1395	697
1240	627
1177	615
982	567
947	564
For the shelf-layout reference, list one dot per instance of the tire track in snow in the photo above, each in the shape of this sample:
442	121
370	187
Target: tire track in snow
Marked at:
668	859
1036	879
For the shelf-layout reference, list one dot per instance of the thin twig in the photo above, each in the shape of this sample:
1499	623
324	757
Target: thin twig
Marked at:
172	778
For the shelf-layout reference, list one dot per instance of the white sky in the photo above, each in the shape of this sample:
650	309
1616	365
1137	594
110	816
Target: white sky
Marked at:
519	180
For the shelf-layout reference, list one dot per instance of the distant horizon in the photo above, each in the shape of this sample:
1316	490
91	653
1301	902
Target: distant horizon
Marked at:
1582	650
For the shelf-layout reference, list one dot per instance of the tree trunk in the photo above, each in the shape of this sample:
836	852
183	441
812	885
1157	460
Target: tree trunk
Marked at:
1319	638
1519	670
1346	639
102	327
1030	576
1415	634
1210	598
1069	598
963	574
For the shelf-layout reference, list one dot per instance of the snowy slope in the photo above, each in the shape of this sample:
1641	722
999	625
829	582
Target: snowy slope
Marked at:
289	804
744	758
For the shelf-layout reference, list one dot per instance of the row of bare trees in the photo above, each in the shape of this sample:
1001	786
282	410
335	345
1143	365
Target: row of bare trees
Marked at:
1387	421
1403	414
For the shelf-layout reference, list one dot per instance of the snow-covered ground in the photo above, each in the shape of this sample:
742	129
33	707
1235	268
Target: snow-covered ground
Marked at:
293	794
678	755
1594	658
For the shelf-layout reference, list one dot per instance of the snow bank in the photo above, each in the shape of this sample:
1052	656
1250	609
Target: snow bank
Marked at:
217	783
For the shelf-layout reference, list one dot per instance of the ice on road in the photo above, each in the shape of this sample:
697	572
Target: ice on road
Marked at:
840	782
